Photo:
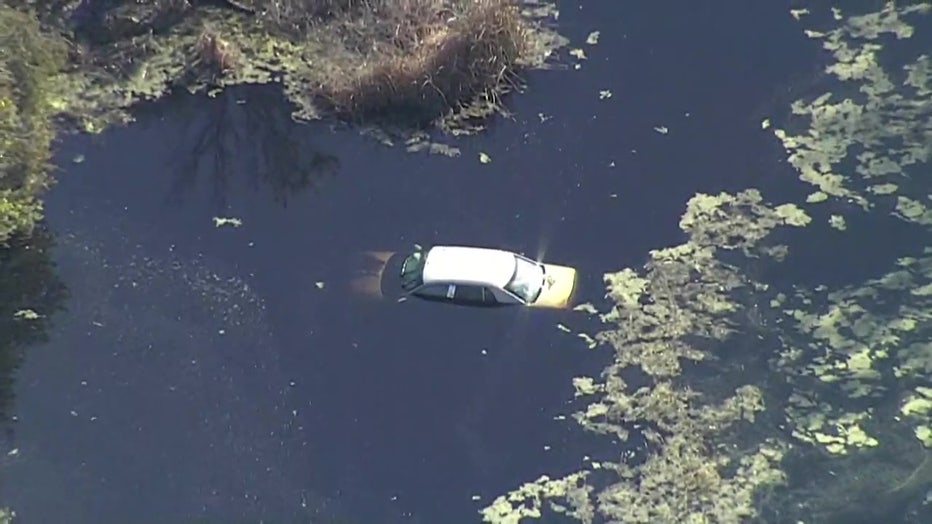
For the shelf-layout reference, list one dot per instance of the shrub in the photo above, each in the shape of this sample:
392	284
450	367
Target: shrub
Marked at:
28	61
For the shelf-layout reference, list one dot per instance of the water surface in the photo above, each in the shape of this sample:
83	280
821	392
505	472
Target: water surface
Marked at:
202	371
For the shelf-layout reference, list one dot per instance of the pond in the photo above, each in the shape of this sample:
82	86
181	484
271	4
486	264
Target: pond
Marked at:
227	371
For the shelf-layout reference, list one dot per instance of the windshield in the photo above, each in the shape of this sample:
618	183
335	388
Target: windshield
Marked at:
527	280
412	271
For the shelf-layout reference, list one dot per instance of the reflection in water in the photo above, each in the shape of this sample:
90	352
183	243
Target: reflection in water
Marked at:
30	293
248	133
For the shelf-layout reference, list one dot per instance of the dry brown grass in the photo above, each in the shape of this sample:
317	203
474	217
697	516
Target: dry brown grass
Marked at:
396	62
296	16
214	53
431	57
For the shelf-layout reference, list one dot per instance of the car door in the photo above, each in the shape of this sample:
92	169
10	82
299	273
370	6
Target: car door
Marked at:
502	298
488	297
438	292
475	296
469	295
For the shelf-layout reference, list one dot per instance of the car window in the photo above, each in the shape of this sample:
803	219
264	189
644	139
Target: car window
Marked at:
434	291
469	294
527	281
412	271
488	296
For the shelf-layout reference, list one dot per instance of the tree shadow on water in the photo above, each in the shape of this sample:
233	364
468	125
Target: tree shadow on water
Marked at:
245	135
30	294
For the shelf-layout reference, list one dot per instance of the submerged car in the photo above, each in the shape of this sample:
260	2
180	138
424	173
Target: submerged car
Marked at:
485	277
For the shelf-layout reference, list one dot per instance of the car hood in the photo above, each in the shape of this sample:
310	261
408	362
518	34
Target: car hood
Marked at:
559	284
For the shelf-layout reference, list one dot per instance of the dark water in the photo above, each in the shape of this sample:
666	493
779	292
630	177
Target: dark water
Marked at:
200	371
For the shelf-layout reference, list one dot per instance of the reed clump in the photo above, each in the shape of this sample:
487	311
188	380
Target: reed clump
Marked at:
214	53
425	58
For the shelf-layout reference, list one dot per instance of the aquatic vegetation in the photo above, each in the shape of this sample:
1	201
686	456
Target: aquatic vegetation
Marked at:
397	64
403	63
859	340
529	499
29	60
837	425
858	358
876	121
689	468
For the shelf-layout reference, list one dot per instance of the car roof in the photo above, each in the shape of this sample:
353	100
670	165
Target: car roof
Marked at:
469	265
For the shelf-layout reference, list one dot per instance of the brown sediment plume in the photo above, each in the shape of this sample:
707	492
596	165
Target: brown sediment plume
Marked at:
437	58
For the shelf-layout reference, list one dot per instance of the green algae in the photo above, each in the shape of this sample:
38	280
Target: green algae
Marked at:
841	374
531	497
684	293
96	95
837	222
877	122
866	341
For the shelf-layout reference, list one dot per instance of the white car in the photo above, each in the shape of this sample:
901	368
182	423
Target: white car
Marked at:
486	277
